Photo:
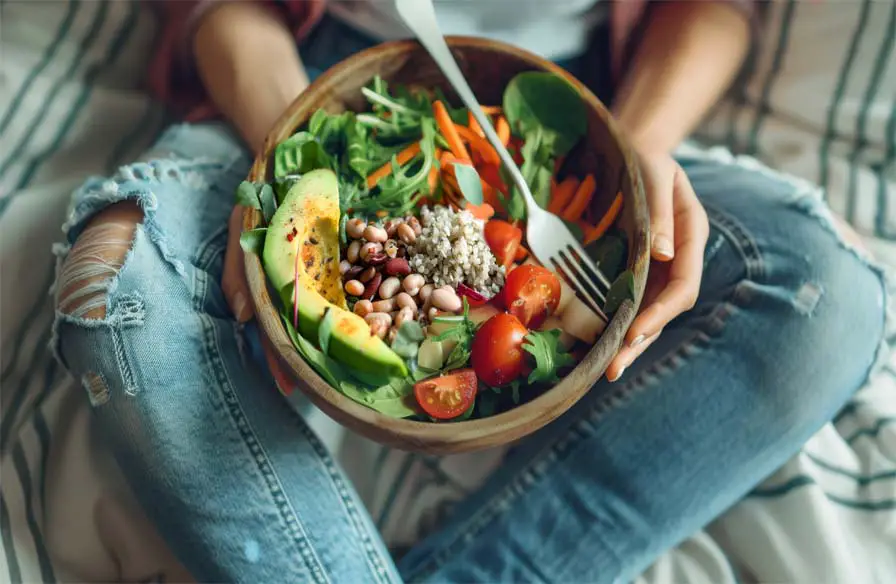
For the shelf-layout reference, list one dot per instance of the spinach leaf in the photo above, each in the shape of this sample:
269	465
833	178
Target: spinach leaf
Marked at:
329	369
543	101
247	195
395	399
268	203
469	182
407	340
299	154
252	241
623	288
283	184
544	346
609	252
537	169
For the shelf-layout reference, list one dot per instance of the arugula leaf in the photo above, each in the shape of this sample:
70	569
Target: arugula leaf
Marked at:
469	182
325	330
407	340
536	101
268	204
609	253
549	356
300	153
622	289
515	390
252	241
247	195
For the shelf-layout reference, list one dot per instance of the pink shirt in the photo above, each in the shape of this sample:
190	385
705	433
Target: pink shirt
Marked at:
171	76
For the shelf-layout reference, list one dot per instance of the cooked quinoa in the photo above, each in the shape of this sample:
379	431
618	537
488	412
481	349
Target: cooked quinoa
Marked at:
452	250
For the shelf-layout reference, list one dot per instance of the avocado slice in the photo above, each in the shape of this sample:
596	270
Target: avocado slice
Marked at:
303	239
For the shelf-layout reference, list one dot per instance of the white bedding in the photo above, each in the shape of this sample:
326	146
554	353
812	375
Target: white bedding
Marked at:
65	514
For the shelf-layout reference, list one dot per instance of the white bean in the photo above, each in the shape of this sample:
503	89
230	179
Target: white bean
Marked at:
404	300
387	305
412	284
375	234
353	252
354	288
354	228
390	287
425	292
344	266
446	299
404	315
363	307
378	316
370	248
406	233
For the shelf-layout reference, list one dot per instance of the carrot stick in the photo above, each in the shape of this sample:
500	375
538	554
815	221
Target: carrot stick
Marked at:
449	130
479	144
503	130
492	110
403	157
605	222
521	253
474	125
581	199
563	194
483	211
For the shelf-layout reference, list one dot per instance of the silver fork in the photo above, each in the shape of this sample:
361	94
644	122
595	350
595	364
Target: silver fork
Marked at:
550	240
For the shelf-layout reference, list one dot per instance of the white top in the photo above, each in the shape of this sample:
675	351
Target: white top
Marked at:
555	33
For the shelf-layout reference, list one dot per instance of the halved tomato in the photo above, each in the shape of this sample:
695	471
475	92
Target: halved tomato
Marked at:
531	293
447	396
503	239
497	353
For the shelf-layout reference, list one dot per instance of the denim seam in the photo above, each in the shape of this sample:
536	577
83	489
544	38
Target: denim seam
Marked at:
373	556
740	239
288	515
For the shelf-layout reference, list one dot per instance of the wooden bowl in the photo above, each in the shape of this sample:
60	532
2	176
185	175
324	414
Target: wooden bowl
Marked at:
603	153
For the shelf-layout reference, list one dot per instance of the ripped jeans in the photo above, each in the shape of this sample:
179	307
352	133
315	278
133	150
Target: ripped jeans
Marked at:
787	327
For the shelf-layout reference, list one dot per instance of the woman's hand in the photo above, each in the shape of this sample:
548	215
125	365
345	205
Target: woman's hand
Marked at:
678	230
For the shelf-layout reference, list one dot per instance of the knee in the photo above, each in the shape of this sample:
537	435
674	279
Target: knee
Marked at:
94	261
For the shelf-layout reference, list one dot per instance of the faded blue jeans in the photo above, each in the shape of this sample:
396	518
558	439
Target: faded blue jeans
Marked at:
787	327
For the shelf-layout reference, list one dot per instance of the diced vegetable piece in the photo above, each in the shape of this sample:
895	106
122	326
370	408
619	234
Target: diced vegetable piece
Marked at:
480	314
566	339
581	322
566	294
431	355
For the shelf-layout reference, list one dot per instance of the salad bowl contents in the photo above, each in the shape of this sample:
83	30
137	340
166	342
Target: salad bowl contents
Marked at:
395	251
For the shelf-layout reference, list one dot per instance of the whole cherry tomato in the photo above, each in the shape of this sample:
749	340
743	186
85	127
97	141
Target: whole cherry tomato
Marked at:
447	396
497	353
531	293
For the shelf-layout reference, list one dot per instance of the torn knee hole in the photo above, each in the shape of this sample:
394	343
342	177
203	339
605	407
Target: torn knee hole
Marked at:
95	260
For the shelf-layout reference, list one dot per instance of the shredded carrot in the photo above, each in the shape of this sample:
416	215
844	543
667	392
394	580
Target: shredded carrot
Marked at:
492	110
503	130
403	157
474	125
562	195
608	219
449	130
581	199
479	145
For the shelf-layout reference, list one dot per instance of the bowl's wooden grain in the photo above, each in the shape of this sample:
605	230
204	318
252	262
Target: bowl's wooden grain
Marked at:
605	153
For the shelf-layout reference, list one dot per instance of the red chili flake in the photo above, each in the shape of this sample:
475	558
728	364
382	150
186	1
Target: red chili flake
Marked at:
289	236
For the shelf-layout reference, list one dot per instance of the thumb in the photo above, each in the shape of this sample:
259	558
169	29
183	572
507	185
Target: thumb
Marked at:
659	181
236	289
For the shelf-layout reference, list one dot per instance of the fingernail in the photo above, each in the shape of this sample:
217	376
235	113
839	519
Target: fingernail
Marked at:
662	246
618	374
239	305
637	341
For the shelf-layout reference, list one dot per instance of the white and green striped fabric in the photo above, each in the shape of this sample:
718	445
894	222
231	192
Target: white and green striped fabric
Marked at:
820	105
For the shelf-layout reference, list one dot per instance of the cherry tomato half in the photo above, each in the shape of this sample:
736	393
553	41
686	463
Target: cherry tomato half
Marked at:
531	293
448	396
497	353
503	239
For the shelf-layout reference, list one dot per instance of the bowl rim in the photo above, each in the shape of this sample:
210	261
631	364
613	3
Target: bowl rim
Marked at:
467	435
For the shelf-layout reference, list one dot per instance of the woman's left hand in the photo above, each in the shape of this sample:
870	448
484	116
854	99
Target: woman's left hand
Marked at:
679	230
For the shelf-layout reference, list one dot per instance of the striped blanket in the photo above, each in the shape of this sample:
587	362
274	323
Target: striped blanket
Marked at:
71	105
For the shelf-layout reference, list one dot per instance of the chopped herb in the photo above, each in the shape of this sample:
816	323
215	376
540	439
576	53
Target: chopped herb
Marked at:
549	356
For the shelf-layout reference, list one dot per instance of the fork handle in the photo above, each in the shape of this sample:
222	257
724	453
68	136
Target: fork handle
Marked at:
420	17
